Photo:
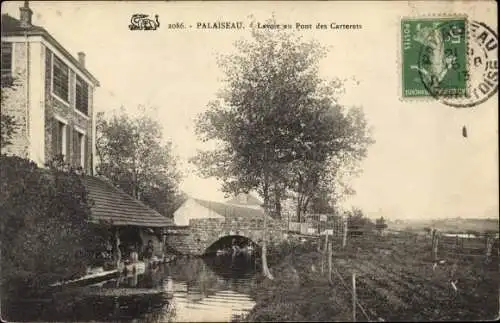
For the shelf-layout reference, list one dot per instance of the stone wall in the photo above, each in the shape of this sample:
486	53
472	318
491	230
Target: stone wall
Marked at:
183	244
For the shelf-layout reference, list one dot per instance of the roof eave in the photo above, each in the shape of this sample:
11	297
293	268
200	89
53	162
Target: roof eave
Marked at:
56	44
122	224
158	221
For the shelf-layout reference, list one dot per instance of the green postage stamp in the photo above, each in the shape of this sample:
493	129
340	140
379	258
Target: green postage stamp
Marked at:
434	57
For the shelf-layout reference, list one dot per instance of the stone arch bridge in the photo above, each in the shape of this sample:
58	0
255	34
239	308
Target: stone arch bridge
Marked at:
201	234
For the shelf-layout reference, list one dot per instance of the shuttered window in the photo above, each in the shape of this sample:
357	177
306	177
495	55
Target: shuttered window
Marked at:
78	149
83	155
61	79
59	139
6	64
82	95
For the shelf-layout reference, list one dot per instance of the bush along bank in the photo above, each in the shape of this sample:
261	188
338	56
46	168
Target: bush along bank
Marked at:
299	291
44	227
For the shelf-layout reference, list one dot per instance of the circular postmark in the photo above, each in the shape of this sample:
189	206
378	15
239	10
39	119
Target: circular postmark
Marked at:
479	71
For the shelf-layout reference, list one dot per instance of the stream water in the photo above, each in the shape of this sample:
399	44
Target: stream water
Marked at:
189	290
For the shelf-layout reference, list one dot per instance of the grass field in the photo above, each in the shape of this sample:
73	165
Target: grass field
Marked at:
397	279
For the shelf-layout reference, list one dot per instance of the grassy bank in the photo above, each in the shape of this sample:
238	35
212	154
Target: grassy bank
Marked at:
299	291
396	280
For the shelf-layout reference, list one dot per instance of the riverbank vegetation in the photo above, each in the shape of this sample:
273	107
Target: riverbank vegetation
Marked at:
46	236
396	279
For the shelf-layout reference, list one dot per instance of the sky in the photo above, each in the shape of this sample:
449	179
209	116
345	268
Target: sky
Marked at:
420	166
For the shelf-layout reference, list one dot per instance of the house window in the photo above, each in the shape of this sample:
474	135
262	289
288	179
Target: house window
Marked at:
79	149
60	79
6	67
82	95
59	144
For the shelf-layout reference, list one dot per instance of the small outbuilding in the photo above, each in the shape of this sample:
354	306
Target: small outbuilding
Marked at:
133	223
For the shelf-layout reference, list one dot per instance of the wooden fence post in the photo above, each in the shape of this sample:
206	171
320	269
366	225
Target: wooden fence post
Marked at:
118	254
330	247
489	246
323	254
354	301
433	241
432	245
344	238
326	242
435	247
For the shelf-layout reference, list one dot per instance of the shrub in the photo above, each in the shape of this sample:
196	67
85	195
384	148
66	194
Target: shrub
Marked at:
43	224
277	253
12	97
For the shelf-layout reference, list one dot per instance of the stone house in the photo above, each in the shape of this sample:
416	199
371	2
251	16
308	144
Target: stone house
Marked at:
53	101
51	97
193	208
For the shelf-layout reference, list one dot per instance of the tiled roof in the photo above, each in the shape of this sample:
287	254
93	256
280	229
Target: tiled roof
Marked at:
117	207
231	210
12	27
251	200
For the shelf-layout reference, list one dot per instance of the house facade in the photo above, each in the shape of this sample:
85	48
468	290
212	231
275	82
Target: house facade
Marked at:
50	95
198	209
194	209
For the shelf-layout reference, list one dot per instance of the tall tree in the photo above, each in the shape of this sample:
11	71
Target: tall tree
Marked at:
274	121
325	178
320	202
134	156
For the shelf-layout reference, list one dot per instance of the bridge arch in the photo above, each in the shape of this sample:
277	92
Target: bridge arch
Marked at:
225	241
202	233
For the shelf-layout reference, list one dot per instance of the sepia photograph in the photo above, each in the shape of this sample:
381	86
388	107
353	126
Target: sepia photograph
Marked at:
249	161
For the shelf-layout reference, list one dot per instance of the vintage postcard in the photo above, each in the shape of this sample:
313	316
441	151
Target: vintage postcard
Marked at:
249	161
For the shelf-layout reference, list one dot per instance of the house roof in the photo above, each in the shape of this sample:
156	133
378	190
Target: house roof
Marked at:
12	27
117	207
230	210
248	199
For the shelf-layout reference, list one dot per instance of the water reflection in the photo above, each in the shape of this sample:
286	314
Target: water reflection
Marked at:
189	290
210	290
